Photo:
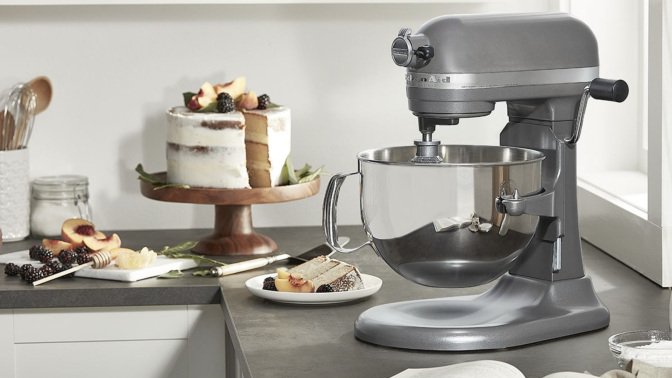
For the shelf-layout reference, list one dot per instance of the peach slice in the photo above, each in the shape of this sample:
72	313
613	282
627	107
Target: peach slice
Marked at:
56	246
248	101
206	95
285	285
74	231
234	87
95	244
282	273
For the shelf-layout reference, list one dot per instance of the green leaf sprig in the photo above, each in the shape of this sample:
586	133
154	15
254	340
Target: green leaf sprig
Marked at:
291	176
182	251
157	182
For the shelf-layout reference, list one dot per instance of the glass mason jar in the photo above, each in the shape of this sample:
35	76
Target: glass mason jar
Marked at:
55	199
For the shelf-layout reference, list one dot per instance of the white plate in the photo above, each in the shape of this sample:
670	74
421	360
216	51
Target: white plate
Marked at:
371	285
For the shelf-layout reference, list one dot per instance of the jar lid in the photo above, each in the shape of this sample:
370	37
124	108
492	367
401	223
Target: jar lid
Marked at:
59	183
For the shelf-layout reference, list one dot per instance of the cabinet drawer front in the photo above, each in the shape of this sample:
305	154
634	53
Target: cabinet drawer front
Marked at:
101	324
107	359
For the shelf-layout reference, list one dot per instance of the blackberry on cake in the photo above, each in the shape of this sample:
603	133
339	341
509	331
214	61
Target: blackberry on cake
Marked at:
225	103
263	102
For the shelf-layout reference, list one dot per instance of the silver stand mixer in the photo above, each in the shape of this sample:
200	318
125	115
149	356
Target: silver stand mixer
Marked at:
545	67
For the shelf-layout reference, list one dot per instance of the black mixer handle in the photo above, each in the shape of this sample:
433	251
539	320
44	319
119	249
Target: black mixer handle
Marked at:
609	90
601	89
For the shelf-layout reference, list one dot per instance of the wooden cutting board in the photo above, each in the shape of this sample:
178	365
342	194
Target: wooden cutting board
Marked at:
111	272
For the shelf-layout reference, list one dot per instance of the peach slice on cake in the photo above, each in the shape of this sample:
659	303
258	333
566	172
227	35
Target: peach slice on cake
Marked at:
234	87
95	244
56	246
205	96
248	101
75	230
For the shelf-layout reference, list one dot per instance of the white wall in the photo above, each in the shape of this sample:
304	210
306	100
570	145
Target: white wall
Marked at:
116	69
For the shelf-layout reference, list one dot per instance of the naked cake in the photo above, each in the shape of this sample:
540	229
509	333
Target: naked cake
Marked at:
225	137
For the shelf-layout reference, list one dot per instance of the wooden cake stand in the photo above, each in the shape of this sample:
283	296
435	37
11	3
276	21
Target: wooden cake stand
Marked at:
233	233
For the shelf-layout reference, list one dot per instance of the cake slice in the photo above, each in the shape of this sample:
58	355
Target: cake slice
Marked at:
321	274
267	144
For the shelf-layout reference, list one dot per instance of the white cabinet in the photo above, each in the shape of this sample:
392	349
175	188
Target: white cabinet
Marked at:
142	342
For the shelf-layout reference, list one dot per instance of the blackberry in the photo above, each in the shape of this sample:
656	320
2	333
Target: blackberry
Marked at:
81	250
264	101
83	258
326	288
35	250
225	103
12	269
269	284
25	268
34	275
47	270
66	267
56	265
44	255
67	257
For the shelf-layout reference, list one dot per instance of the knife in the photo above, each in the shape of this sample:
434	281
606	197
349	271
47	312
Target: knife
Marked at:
322	249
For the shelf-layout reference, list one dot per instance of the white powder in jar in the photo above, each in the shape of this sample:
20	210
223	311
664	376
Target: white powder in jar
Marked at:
658	353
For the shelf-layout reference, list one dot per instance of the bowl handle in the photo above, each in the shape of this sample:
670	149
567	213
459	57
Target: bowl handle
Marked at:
329	222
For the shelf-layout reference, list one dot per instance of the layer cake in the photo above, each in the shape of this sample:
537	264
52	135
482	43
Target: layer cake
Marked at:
225	137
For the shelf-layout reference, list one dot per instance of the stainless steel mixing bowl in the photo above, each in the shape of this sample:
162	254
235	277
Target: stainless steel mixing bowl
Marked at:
436	224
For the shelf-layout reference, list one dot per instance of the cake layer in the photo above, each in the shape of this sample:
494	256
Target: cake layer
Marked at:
314	267
213	167
343	277
268	141
205	129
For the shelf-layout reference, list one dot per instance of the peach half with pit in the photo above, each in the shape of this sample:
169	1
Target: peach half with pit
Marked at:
95	244
56	246
75	230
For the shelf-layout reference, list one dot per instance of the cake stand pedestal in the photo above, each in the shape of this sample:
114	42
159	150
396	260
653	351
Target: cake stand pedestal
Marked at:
233	233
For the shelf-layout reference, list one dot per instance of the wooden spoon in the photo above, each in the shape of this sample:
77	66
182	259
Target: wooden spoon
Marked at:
41	86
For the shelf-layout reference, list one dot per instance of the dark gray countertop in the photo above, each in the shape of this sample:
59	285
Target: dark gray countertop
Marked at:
274	339
85	292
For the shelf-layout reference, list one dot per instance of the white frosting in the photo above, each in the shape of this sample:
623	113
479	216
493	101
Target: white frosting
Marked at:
200	152
186	128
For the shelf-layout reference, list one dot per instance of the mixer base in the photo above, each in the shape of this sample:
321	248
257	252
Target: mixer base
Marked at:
516	311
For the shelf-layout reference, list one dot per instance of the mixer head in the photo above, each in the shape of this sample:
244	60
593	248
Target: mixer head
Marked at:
459	66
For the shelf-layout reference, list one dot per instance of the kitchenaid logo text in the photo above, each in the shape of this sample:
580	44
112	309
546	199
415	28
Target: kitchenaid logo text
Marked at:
426	80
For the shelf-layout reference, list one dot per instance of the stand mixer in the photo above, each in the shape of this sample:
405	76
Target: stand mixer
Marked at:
506	211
